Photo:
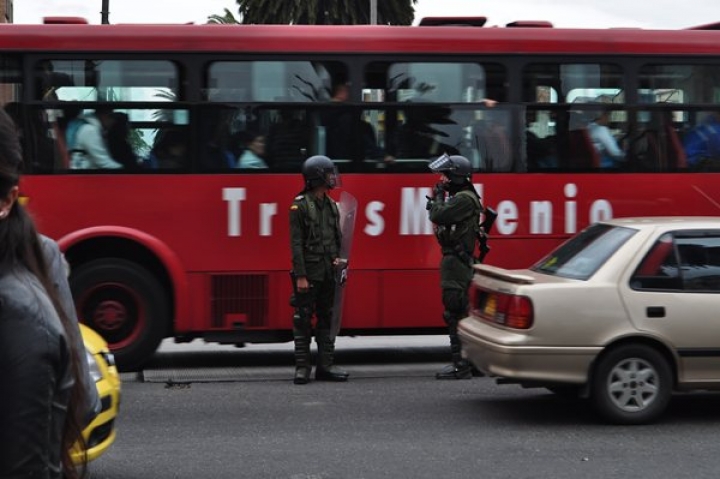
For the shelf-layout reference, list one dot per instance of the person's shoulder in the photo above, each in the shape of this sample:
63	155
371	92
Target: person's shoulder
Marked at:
49	246
88	120
299	203
19	291
467	196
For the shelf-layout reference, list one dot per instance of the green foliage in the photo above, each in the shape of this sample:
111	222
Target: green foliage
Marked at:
227	19
137	142
319	12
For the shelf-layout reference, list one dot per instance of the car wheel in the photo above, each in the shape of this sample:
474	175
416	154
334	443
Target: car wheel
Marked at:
632	385
125	304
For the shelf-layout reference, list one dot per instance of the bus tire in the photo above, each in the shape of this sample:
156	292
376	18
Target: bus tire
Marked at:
632	385
125	304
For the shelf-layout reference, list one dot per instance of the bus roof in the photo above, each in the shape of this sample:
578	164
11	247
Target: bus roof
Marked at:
357	38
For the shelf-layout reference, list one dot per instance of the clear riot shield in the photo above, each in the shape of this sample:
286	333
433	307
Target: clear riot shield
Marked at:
348	212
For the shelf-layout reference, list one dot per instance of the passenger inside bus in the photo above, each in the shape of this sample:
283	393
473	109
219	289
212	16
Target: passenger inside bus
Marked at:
702	144
492	140
85	140
288	142
541	152
417	136
371	147
32	128
611	155
340	125
118	141
169	150
253	155
217	153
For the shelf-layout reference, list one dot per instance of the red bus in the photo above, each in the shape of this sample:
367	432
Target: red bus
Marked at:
184	242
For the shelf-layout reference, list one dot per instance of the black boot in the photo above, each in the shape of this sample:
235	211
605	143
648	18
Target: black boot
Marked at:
302	358
460	368
457	370
325	371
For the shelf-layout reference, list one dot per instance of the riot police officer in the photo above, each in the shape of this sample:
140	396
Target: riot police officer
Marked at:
315	242
455	211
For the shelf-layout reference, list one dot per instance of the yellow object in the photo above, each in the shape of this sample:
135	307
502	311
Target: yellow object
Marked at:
100	434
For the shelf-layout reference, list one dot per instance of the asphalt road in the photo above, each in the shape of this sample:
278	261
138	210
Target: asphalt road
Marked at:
391	420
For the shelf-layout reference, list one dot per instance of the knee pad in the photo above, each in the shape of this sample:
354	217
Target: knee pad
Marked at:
301	319
455	302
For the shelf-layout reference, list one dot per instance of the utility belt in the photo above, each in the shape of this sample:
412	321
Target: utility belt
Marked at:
322	250
460	252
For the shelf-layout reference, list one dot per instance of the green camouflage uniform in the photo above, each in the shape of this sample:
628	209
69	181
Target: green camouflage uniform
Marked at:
457	222
315	244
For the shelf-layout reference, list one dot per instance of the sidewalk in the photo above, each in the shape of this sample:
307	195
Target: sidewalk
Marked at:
362	357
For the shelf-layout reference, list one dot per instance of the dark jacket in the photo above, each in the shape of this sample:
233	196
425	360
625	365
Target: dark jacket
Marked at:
314	236
456	221
35	379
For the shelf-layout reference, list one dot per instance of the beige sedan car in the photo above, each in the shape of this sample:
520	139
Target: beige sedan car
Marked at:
623	313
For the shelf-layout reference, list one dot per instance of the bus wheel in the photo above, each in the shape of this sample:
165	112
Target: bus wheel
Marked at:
125	304
632	385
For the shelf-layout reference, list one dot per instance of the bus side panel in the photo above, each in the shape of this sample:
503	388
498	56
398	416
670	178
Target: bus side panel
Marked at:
363	296
410	300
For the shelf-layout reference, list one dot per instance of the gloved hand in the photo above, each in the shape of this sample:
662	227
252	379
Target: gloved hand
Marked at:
439	192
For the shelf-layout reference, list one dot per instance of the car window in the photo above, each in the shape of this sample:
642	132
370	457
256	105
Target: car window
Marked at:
582	255
659	268
699	262
682	260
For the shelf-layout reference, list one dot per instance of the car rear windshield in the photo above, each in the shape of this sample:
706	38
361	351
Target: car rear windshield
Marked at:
583	254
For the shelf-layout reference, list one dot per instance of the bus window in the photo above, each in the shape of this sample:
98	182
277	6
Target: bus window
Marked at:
107	80
411	136
84	82
586	125
290	137
421	133
681	83
437	82
38	148
683	136
129	134
273	81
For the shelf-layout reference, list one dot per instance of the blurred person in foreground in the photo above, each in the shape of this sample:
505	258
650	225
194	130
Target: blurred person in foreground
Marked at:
315	246
455	210
42	399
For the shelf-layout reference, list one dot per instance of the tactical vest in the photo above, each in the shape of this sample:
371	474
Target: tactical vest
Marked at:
315	242
460	237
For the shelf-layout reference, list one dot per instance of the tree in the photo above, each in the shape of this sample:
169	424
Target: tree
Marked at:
319	12
227	19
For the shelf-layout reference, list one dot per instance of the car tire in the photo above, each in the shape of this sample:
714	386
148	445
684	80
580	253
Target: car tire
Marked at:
632	385
125	304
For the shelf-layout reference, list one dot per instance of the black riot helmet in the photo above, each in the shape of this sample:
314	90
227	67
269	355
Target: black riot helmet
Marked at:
320	170
457	168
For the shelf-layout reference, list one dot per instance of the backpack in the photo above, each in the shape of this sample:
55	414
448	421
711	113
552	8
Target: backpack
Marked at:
71	132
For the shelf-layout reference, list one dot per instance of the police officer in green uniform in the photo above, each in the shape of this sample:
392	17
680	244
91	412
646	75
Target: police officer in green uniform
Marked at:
315	242
455	211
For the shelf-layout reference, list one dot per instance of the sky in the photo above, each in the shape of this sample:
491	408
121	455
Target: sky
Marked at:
661	14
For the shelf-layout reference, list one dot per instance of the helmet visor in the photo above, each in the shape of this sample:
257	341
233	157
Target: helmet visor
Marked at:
332	177
442	165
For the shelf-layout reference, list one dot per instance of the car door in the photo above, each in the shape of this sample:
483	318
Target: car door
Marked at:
674	294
